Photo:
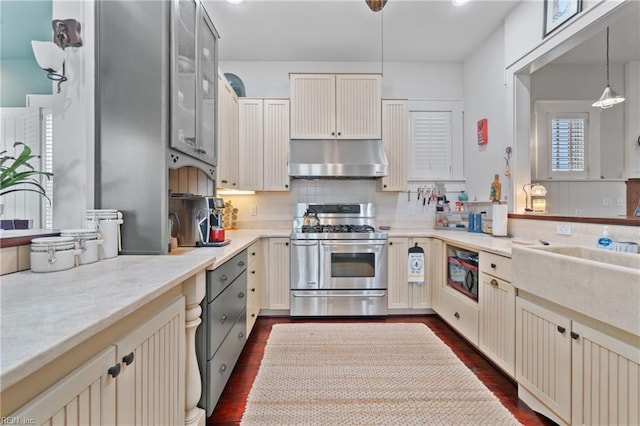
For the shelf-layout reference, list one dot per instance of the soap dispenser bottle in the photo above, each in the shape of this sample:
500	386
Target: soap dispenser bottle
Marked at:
604	242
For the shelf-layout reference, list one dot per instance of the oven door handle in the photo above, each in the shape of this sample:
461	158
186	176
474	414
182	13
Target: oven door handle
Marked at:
303	243
306	294
359	243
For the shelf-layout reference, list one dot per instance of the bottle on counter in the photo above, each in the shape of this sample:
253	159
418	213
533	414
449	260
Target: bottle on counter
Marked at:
605	242
496	189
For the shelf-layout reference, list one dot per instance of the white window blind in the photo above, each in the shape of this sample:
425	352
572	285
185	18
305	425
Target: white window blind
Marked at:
430	136
568	150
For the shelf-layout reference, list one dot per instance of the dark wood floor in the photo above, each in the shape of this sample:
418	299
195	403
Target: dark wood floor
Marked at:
232	402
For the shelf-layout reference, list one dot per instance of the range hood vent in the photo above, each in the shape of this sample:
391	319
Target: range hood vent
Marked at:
331	158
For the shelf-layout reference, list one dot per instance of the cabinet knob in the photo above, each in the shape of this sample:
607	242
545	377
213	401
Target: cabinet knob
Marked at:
286	186
240	295
223	368
384	186
128	359
253	253
286	244
241	263
253	289
224	181
574	335
223	318
253	315
223	278
114	371
253	272
390	243
493	266
494	283
339	133
561	329
457	315
241	335
333	133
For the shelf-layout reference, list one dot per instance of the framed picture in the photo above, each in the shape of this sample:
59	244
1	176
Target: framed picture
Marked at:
557	12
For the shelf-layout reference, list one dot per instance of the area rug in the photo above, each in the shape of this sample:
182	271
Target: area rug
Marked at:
366	374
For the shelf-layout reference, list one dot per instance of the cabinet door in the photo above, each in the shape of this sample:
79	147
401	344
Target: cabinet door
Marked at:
436	264
207	53
185	80
84	397
358	106
313	106
251	144
606	378
543	356
399	289
278	287
421	292
497	301
276	144
228	135
151	385
394	139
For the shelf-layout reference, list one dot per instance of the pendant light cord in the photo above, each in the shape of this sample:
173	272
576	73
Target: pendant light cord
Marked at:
382	42
607	56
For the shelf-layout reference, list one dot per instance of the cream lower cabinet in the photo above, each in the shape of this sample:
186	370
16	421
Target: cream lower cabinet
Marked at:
401	293
394	139
139	380
497	303
263	144
436	264
276	258
254	278
87	396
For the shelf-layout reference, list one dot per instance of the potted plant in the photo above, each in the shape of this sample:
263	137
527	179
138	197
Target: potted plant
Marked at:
17	174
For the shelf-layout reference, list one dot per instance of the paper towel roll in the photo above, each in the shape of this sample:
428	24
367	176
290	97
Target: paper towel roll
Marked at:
500	220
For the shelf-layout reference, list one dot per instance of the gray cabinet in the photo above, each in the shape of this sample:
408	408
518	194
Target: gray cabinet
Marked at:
140	81
222	334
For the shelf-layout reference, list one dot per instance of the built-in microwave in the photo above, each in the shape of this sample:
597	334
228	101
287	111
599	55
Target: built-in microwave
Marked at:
462	274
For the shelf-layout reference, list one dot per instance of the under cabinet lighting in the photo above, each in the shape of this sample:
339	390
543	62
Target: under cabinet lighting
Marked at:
222	191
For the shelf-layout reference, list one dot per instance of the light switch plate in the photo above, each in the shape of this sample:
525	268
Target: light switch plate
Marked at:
563	230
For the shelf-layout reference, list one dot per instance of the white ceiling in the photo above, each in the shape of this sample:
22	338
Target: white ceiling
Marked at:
348	31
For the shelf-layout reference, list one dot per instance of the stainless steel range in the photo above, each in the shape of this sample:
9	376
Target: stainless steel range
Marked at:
339	265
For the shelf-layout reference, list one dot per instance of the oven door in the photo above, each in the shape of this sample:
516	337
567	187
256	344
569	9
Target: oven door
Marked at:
305	269
353	264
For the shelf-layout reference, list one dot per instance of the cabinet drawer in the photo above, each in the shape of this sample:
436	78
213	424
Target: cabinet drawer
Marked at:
221	277
253	252
498	266
224	311
460	314
221	365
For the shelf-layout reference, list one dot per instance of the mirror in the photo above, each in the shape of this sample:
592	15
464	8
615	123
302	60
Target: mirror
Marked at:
570	84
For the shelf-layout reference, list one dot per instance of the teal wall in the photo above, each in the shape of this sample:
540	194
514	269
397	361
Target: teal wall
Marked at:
20	22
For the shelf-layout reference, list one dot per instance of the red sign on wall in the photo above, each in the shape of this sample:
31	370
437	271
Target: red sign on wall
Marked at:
483	134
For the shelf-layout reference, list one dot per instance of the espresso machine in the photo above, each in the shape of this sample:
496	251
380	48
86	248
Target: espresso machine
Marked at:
209	228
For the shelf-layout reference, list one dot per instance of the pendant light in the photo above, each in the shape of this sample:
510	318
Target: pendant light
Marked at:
376	5
609	98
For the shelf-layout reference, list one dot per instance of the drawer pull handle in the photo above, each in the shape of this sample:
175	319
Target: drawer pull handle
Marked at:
494	283
223	368
223	318
457	315
128	359
240	295
561	329
223	278
574	335
493	266
114	371
241	263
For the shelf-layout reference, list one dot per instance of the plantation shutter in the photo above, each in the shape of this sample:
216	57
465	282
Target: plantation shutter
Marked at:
47	163
430	134
568	144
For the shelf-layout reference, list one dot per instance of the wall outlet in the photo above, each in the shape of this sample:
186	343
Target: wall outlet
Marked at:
607	202
254	210
412	209
620	201
563	230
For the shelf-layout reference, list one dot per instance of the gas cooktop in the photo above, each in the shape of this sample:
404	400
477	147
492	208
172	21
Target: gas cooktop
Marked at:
342	228
337	222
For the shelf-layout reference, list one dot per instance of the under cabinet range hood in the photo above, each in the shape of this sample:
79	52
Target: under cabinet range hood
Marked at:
333	158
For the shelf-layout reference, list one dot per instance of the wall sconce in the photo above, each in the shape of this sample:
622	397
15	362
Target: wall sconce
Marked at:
50	55
537	194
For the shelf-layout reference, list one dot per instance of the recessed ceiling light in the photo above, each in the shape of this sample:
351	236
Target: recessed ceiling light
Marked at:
455	2
235	1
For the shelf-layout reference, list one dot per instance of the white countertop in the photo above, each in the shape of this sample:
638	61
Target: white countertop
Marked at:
43	315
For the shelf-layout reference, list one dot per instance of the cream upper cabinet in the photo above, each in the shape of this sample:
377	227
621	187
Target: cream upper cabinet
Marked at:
330	106
394	139
228	160
263	144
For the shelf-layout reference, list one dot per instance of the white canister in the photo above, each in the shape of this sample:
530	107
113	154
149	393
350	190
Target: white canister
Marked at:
87	241
51	254
107	222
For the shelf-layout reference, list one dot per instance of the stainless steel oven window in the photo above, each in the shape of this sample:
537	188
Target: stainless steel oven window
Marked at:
353	265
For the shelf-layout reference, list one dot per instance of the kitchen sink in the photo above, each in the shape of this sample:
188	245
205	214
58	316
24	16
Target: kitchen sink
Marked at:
600	284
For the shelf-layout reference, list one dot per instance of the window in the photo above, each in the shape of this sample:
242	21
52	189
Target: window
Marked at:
435	130
567	144
47	165
568	140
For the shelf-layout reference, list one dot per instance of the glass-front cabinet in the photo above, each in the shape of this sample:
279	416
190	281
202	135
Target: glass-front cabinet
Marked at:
193	89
